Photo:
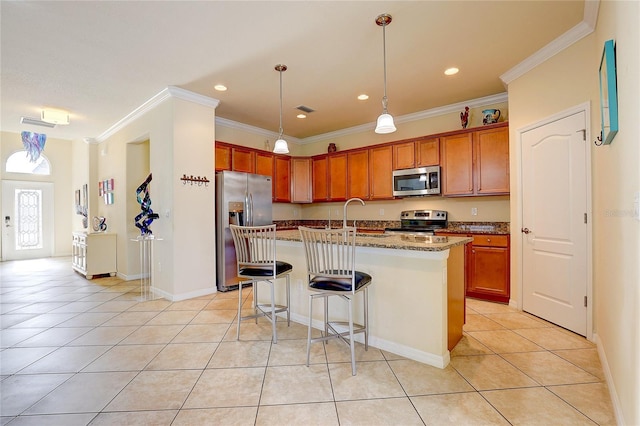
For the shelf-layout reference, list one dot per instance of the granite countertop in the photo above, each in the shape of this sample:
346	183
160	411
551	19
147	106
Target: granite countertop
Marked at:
489	228
494	228
391	241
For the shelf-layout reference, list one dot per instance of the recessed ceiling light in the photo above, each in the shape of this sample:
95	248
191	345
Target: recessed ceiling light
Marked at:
301	116
363	97
451	71
55	116
220	87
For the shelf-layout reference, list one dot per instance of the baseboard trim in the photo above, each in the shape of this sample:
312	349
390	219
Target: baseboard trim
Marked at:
385	345
615	401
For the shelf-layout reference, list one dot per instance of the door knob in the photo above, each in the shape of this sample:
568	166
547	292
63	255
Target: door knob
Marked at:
525	230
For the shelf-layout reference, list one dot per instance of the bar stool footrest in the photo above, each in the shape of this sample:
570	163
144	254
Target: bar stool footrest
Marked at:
265	311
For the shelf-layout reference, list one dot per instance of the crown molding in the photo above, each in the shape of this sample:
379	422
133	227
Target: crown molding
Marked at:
168	92
434	112
223	122
581	30
591	8
492	99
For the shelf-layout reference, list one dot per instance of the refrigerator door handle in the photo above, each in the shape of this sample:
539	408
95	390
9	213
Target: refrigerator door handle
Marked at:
251	209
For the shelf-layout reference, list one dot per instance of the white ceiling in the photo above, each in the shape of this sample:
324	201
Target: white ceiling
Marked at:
101	60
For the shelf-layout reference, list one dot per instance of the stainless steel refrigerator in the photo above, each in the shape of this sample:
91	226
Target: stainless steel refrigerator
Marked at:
241	199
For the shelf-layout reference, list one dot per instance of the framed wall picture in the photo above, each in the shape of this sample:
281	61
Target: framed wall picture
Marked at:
608	93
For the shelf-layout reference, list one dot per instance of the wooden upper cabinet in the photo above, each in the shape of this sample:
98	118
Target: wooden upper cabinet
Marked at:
320	178
223	157
243	160
337	175
473	162
457	164
264	163
358	174
282	179
404	155
476	163
381	172
492	161
301	180
428	152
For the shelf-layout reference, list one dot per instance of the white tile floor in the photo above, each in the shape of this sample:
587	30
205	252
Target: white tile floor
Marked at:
77	352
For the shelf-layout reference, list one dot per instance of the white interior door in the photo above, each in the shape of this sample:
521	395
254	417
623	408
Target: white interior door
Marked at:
554	209
27	220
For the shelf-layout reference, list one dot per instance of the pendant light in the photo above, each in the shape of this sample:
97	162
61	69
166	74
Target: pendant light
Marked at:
385	121
281	147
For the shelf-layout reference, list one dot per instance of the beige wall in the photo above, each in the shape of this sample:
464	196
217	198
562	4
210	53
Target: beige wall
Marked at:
552	87
565	81
616	180
445	122
179	135
60	154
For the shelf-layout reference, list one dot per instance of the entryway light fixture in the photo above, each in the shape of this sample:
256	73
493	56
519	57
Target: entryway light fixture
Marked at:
281	147
55	116
385	121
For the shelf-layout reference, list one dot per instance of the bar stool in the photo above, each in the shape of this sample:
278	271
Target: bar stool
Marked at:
330	255
256	260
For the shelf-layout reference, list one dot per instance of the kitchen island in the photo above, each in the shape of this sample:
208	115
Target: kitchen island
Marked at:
416	299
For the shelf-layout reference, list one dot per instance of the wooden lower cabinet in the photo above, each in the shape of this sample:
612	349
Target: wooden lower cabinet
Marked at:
487	269
488	264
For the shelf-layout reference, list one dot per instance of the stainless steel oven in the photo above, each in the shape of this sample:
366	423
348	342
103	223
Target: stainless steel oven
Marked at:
416	182
420	222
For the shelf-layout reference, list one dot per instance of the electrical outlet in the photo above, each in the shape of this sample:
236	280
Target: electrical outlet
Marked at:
159	267
295	212
474	211
381	212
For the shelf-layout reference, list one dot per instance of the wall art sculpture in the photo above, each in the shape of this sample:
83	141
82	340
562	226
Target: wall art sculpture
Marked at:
33	144
147	216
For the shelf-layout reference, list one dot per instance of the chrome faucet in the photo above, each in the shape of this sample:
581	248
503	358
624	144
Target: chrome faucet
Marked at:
344	212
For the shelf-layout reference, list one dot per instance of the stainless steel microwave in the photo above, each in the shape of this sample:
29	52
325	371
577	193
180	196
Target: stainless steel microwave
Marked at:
416	182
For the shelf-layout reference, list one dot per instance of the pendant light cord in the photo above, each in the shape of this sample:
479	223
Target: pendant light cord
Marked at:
384	59
280	137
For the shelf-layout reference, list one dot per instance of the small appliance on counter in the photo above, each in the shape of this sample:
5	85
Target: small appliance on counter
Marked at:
420	222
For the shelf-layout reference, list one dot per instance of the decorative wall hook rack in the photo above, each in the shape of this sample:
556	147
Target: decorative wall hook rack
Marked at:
195	180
